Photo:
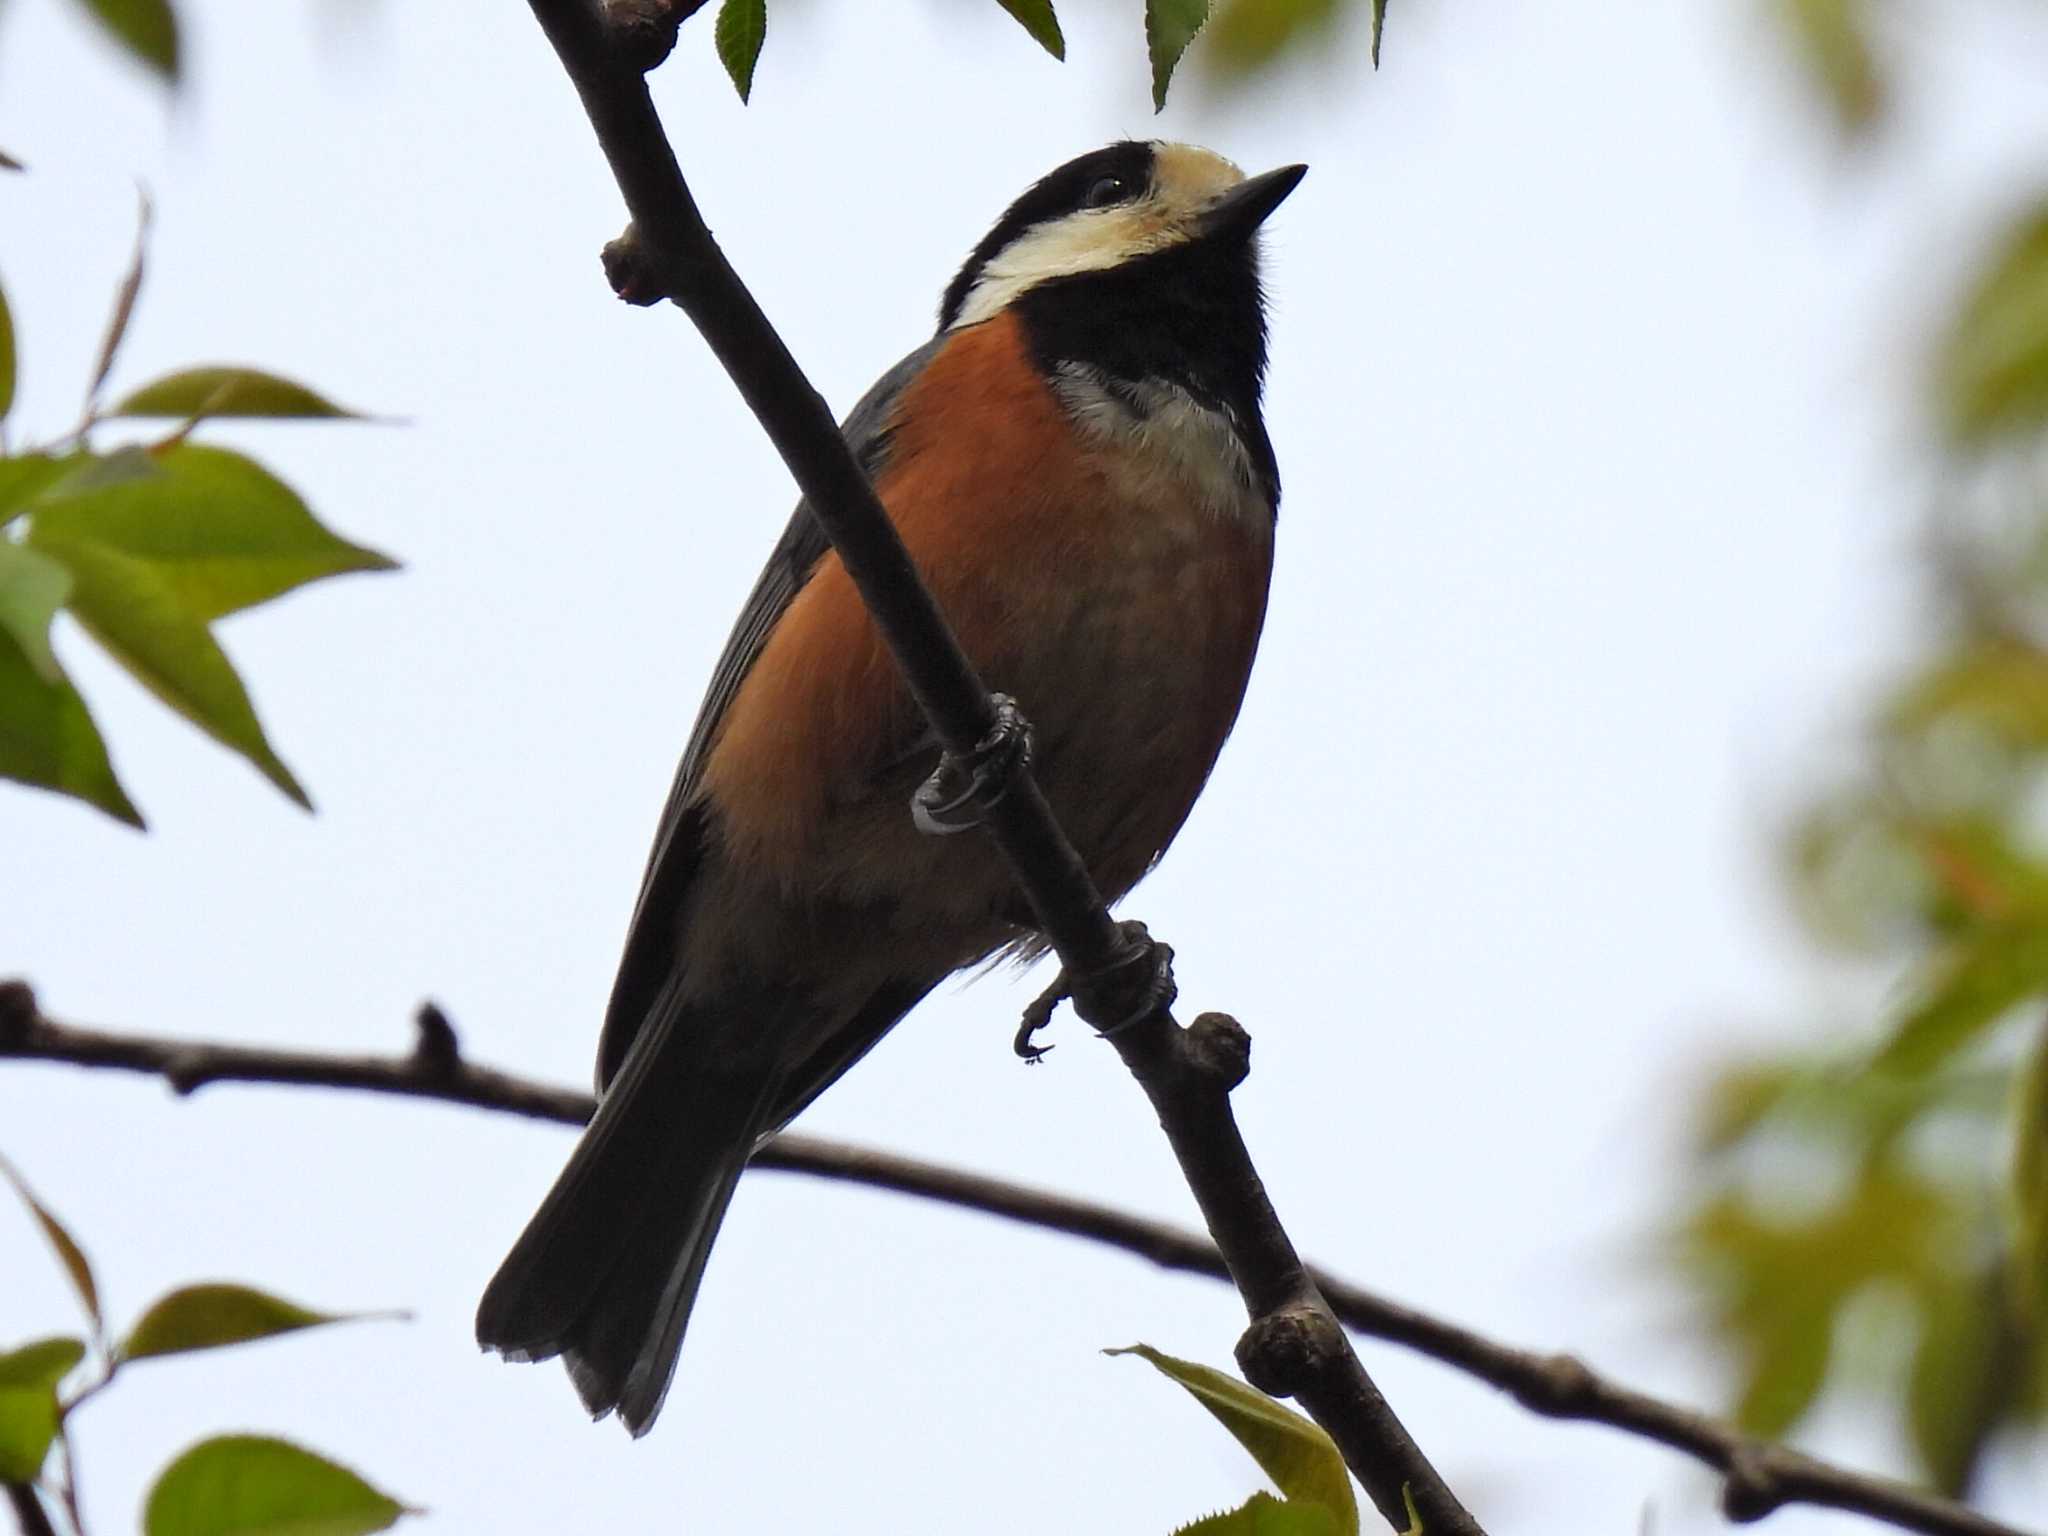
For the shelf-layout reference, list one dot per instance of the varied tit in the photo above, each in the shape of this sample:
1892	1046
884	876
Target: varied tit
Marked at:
1077	464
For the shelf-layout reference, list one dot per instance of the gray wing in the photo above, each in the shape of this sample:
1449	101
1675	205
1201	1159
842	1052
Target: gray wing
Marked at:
651	939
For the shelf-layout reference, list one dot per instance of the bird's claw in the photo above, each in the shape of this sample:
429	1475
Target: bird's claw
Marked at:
1159	989
963	789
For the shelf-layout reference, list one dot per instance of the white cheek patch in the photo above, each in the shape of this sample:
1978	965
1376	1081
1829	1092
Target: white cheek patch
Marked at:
1093	240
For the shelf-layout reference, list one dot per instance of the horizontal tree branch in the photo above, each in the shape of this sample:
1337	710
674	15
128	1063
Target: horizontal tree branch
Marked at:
1294	1346
1758	1477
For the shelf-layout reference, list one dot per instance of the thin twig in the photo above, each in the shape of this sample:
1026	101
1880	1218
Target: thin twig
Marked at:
1759	1476
1294	1346
29	1514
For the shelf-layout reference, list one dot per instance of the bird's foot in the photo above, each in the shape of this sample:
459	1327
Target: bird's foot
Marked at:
963	789
1156	990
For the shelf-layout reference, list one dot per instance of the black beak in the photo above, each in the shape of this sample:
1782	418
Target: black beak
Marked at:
1240	211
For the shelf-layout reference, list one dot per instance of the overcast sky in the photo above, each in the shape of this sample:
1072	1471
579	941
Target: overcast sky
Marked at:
1594	360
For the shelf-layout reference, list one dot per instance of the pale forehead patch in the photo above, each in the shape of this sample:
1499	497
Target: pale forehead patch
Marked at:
1185	180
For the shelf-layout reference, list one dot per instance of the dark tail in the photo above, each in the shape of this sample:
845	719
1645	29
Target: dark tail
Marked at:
607	1270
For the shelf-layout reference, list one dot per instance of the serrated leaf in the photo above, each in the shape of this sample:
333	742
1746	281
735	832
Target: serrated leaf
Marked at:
212	1316
1993	366
741	30
68	1252
1170	25
29	1409
148	29
1833	39
253	1485
1037	18
220	390
32	588
6	357
1264	1515
216	528
1983	978
1295	1452
48	739
130	607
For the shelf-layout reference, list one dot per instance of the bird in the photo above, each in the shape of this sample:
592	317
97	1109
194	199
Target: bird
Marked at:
1078	466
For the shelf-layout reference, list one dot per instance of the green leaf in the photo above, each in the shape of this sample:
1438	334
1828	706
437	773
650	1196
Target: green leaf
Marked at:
1249	34
1984	977
6	358
2028	1202
1997	683
23	477
1170	25
1833	38
1294	1452
68	1251
1264	1515
1379	27
1037	18
742	29
132	609
215	1315
148	29
1993	365
219	531
1953	1394
48	739
32	588
29	1409
252	1485
219	390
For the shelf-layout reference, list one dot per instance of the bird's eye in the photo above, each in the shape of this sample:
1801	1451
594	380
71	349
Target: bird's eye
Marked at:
1104	191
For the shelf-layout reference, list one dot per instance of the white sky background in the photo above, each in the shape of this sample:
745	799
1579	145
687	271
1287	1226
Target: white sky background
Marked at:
1594	358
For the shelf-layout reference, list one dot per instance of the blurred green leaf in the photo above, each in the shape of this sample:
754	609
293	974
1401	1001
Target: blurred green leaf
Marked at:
1954	1391
1985	975
2028	1200
225	391
1037	18
48	739
1170	25
124	302
741	30
214	1315
216	529
1779	1283
29	1410
32	588
148	29
1998	683
1264	1515
251	1485
1379	30
68	1252
1993	367
132	609
6	357
1249	34
23	477
1833	38
1296	1453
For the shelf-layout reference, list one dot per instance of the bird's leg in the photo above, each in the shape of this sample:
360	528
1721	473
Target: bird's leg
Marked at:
1158	990
963	789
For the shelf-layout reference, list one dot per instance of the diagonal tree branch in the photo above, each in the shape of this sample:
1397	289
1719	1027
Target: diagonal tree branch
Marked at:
1758	1477
1294	1346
